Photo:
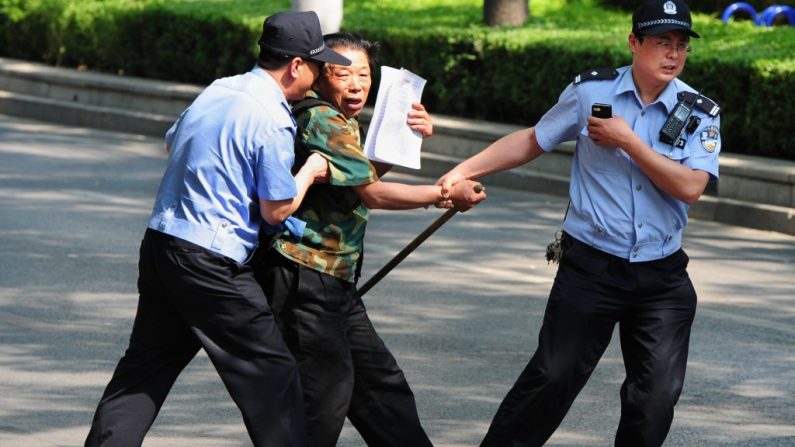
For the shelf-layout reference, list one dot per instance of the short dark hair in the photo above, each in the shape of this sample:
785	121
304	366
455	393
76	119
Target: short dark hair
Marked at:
356	42
270	60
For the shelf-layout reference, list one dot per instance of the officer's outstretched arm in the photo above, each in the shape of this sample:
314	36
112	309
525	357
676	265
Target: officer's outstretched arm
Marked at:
508	152
400	196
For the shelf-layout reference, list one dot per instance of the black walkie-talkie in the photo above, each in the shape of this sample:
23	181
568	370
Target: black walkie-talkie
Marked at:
676	121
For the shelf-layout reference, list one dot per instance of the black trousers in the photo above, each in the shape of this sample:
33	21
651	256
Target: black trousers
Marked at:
191	298
345	368
654	304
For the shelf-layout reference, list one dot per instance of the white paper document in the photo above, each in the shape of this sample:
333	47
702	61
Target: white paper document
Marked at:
389	137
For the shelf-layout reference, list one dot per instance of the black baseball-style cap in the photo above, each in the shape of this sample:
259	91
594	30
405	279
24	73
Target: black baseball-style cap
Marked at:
298	34
660	16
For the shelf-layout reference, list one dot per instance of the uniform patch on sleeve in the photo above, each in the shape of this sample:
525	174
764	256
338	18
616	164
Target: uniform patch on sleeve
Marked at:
710	139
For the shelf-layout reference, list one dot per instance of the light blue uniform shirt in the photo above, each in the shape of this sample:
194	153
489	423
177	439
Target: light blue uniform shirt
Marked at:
231	147
615	207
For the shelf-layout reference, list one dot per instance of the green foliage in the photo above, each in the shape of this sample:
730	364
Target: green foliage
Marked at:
147	43
769	116
187	40
505	74
30	29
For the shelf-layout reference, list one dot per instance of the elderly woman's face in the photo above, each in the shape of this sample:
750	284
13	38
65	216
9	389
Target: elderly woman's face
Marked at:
346	87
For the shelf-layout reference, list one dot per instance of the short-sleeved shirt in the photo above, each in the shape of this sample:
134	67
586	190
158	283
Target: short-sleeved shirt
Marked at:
334	214
614	206
231	147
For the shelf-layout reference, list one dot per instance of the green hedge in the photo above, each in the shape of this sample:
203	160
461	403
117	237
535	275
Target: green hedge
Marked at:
485	76
504	75
139	38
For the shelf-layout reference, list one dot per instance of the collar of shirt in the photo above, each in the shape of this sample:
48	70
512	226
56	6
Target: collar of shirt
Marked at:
667	97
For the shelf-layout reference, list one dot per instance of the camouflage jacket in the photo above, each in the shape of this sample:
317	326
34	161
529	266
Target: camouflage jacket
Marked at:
335	216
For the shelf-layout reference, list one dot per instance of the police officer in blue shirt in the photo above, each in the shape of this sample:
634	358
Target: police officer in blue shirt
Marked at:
633	176
229	169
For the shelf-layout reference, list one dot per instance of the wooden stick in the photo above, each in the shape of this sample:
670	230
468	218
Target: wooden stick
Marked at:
398	258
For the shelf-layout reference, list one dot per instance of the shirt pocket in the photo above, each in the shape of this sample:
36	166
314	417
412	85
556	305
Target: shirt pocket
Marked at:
606	160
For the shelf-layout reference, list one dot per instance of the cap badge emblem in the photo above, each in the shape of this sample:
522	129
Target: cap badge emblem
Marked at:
669	8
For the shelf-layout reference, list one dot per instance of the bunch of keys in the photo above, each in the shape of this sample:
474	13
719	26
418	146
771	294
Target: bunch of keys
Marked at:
554	250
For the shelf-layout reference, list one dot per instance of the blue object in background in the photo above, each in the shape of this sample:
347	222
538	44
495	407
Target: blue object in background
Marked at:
740	6
766	18
771	12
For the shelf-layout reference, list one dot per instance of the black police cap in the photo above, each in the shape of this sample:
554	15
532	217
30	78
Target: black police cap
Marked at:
660	16
298	34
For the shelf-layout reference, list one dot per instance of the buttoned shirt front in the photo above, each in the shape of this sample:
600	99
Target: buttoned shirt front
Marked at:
614	206
230	148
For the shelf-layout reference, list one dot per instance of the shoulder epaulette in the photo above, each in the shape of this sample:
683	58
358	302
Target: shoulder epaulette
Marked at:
703	103
307	103
601	74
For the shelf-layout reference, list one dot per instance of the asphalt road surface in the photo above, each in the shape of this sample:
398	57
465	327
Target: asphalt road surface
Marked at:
461	314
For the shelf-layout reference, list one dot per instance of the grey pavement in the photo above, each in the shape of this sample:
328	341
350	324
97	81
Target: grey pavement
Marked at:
461	314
